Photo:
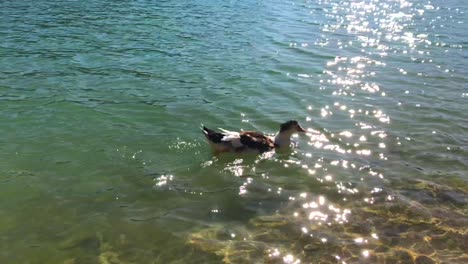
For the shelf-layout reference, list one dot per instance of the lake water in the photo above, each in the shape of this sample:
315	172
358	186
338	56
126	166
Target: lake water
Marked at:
102	159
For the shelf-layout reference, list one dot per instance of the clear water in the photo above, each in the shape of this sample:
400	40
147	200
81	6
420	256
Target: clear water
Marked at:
102	159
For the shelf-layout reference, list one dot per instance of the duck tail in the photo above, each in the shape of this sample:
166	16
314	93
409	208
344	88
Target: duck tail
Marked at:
212	135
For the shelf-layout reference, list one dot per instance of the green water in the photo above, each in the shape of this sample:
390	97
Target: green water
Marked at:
102	159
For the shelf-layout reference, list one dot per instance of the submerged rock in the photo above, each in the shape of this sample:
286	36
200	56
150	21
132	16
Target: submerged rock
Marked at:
424	260
109	257
85	242
454	197
405	227
403	257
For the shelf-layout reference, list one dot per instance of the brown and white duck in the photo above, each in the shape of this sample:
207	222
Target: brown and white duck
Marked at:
251	141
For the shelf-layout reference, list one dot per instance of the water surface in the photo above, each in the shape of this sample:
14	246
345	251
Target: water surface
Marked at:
102	159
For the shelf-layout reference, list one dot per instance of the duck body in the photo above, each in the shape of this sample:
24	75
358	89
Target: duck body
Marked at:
250	141
244	141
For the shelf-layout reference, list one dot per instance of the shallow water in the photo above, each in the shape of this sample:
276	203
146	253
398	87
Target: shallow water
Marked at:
102	159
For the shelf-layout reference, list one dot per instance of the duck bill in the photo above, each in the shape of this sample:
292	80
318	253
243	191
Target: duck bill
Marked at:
300	129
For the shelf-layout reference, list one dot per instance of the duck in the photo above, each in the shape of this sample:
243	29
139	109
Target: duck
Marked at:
251	141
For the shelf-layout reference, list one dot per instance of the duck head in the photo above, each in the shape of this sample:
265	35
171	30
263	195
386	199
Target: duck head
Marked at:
292	126
283	138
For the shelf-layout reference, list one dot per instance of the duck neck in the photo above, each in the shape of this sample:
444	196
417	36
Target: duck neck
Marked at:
283	139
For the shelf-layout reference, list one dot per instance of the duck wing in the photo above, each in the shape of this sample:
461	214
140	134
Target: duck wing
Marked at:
256	140
230	135
226	137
